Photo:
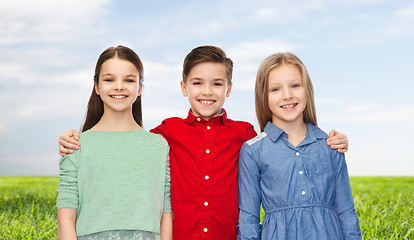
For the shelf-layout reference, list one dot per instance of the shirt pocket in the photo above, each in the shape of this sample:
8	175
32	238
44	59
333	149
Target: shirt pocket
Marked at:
319	163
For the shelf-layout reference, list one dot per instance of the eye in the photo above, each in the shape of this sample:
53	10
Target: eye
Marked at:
274	89
196	83
130	80
218	84
108	80
295	85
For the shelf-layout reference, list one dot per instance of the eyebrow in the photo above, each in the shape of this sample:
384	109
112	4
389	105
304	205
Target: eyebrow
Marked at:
110	74
200	78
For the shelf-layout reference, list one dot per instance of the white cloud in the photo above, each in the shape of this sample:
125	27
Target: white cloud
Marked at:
46	20
372	114
401	23
2	128
244	51
362	108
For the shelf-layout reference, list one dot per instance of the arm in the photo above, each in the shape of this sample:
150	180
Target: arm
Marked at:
343	202
338	141
167	217
166	226
67	199
68	141
66	219
249	196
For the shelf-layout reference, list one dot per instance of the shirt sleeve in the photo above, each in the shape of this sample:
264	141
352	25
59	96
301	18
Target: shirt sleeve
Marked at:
343	202
160	129
250	133
167	188
68	184
249	196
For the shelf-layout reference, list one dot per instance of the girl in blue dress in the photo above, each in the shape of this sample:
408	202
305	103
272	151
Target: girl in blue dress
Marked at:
302	184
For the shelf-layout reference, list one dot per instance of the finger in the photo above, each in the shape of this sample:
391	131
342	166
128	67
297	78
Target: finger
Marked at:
332	133
71	136
338	142
340	147
63	151
76	134
66	144
68	138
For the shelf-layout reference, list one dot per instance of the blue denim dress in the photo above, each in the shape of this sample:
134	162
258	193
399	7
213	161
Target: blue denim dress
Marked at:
304	190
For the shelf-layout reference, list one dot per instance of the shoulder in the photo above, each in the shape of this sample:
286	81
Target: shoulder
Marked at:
168	122
243	130
172	120
238	123
154	138
316	132
243	127
256	139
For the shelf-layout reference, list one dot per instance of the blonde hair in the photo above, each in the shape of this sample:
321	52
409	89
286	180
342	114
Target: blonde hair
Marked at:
263	112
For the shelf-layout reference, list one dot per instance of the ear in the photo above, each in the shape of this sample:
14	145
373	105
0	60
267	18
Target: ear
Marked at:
229	90
183	89
139	90
96	88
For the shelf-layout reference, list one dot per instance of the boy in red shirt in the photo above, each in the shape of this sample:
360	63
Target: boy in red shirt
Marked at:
204	150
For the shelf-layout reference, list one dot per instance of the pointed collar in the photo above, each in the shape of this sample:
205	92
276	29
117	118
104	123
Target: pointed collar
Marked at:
191	118
312	134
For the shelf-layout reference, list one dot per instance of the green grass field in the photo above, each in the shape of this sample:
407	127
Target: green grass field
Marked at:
384	206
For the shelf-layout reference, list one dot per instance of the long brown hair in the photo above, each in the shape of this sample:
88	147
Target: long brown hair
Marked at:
263	112
95	108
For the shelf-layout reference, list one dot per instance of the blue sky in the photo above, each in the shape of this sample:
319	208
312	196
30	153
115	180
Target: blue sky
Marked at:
359	54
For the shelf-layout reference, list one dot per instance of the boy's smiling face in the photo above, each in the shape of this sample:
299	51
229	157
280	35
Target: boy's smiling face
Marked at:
206	88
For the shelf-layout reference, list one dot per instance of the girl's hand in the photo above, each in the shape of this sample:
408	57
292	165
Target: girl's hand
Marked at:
68	141
338	141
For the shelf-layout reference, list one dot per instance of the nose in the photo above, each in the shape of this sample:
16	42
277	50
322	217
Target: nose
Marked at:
207	90
119	85
287	94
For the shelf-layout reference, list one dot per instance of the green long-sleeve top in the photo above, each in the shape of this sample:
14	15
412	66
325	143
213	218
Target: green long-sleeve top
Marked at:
116	181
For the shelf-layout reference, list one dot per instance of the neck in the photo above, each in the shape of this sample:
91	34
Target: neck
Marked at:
206	118
116	121
296	130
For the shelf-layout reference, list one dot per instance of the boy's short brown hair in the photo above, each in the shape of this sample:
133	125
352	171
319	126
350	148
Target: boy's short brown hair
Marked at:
207	54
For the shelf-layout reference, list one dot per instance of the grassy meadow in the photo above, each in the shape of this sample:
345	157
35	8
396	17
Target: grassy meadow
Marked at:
384	206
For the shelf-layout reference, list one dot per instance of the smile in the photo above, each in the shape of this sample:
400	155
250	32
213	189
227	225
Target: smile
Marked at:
289	106
207	102
118	96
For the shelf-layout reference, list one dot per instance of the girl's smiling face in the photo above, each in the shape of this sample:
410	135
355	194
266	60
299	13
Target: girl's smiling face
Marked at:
118	85
286	94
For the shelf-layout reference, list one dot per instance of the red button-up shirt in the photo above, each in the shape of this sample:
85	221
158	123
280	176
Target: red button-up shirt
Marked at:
204	189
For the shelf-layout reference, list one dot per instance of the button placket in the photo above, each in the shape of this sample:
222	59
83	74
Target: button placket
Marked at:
207	159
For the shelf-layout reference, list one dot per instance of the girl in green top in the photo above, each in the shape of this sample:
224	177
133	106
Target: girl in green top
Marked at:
117	185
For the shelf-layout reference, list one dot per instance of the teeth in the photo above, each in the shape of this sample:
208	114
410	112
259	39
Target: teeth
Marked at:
118	96
206	102
288	106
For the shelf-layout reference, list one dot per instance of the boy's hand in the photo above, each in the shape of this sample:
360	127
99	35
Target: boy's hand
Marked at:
68	141
338	141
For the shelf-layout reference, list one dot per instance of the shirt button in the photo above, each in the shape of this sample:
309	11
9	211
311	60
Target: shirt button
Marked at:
198	119
207	151
206	204
303	192
208	127
297	153
206	177
300	172
205	229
